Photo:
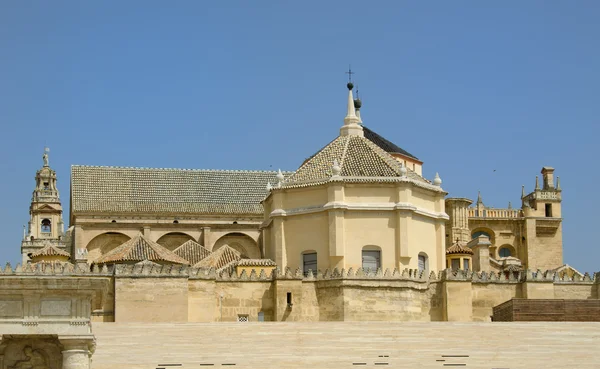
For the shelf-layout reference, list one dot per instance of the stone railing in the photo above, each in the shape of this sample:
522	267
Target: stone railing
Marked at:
494	213
43	242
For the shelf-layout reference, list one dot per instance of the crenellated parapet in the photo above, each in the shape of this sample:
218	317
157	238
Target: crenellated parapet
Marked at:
379	274
56	269
151	270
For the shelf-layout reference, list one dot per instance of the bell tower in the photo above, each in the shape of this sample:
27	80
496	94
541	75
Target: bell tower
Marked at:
46	225
542	233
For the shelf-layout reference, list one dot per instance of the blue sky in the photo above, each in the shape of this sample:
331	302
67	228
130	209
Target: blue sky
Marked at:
484	93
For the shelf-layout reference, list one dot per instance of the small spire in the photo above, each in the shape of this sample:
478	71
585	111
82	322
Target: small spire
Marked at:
403	170
279	177
336	169
522	191
509	205
357	106
557	183
479	200
269	186
351	125
45	156
437	180
537	182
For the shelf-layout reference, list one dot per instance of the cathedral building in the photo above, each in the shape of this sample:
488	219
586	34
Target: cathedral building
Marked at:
360	202
356	233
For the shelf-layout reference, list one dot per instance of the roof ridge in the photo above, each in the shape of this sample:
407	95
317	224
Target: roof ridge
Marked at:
180	169
344	152
384	155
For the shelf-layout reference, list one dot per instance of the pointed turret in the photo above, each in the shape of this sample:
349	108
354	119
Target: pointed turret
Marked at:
479	200
351	125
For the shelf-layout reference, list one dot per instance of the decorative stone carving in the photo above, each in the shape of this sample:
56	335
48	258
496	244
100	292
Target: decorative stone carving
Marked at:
30	352
35	359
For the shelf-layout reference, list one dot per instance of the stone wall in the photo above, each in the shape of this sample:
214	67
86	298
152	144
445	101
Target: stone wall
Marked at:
146	295
164	293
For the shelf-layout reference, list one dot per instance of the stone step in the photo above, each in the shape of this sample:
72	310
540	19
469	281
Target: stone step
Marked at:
347	345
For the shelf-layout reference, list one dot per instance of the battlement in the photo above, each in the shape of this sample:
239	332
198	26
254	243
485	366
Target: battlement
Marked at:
55	269
181	271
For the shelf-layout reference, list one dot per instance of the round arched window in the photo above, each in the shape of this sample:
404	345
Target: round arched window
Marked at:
504	252
480	233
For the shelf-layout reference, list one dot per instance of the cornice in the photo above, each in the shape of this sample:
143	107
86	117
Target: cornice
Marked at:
341	205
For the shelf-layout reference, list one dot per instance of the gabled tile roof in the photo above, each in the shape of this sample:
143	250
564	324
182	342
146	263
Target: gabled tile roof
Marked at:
357	157
386	145
192	251
50	250
180	191
256	262
219	258
139	249
459	248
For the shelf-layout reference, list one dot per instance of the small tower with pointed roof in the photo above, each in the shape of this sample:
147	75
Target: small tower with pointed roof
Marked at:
46	226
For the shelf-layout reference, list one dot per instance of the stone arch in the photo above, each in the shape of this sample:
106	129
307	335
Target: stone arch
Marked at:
104	243
501	251
240	242
173	240
492	235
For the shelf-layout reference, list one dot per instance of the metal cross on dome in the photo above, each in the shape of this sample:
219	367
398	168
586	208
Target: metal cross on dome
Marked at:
349	73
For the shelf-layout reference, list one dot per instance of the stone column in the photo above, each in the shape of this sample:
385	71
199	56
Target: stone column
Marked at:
77	351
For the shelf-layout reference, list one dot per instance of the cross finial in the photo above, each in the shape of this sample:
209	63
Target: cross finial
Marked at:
349	73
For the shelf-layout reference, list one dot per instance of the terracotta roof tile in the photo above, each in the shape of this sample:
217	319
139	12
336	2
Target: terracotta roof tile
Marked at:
220	258
357	157
180	191
256	262
386	145
192	251
139	249
459	248
50	250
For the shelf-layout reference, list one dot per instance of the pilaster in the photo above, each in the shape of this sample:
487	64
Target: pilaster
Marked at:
458	296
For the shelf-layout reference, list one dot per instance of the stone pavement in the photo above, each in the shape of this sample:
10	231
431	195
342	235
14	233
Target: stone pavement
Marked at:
326	345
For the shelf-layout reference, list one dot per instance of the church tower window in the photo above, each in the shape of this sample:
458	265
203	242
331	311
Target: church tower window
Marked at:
46	226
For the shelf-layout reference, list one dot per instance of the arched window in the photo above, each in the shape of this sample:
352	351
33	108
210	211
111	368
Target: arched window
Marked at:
480	233
46	226
423	261
309	262
371	258
504	252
